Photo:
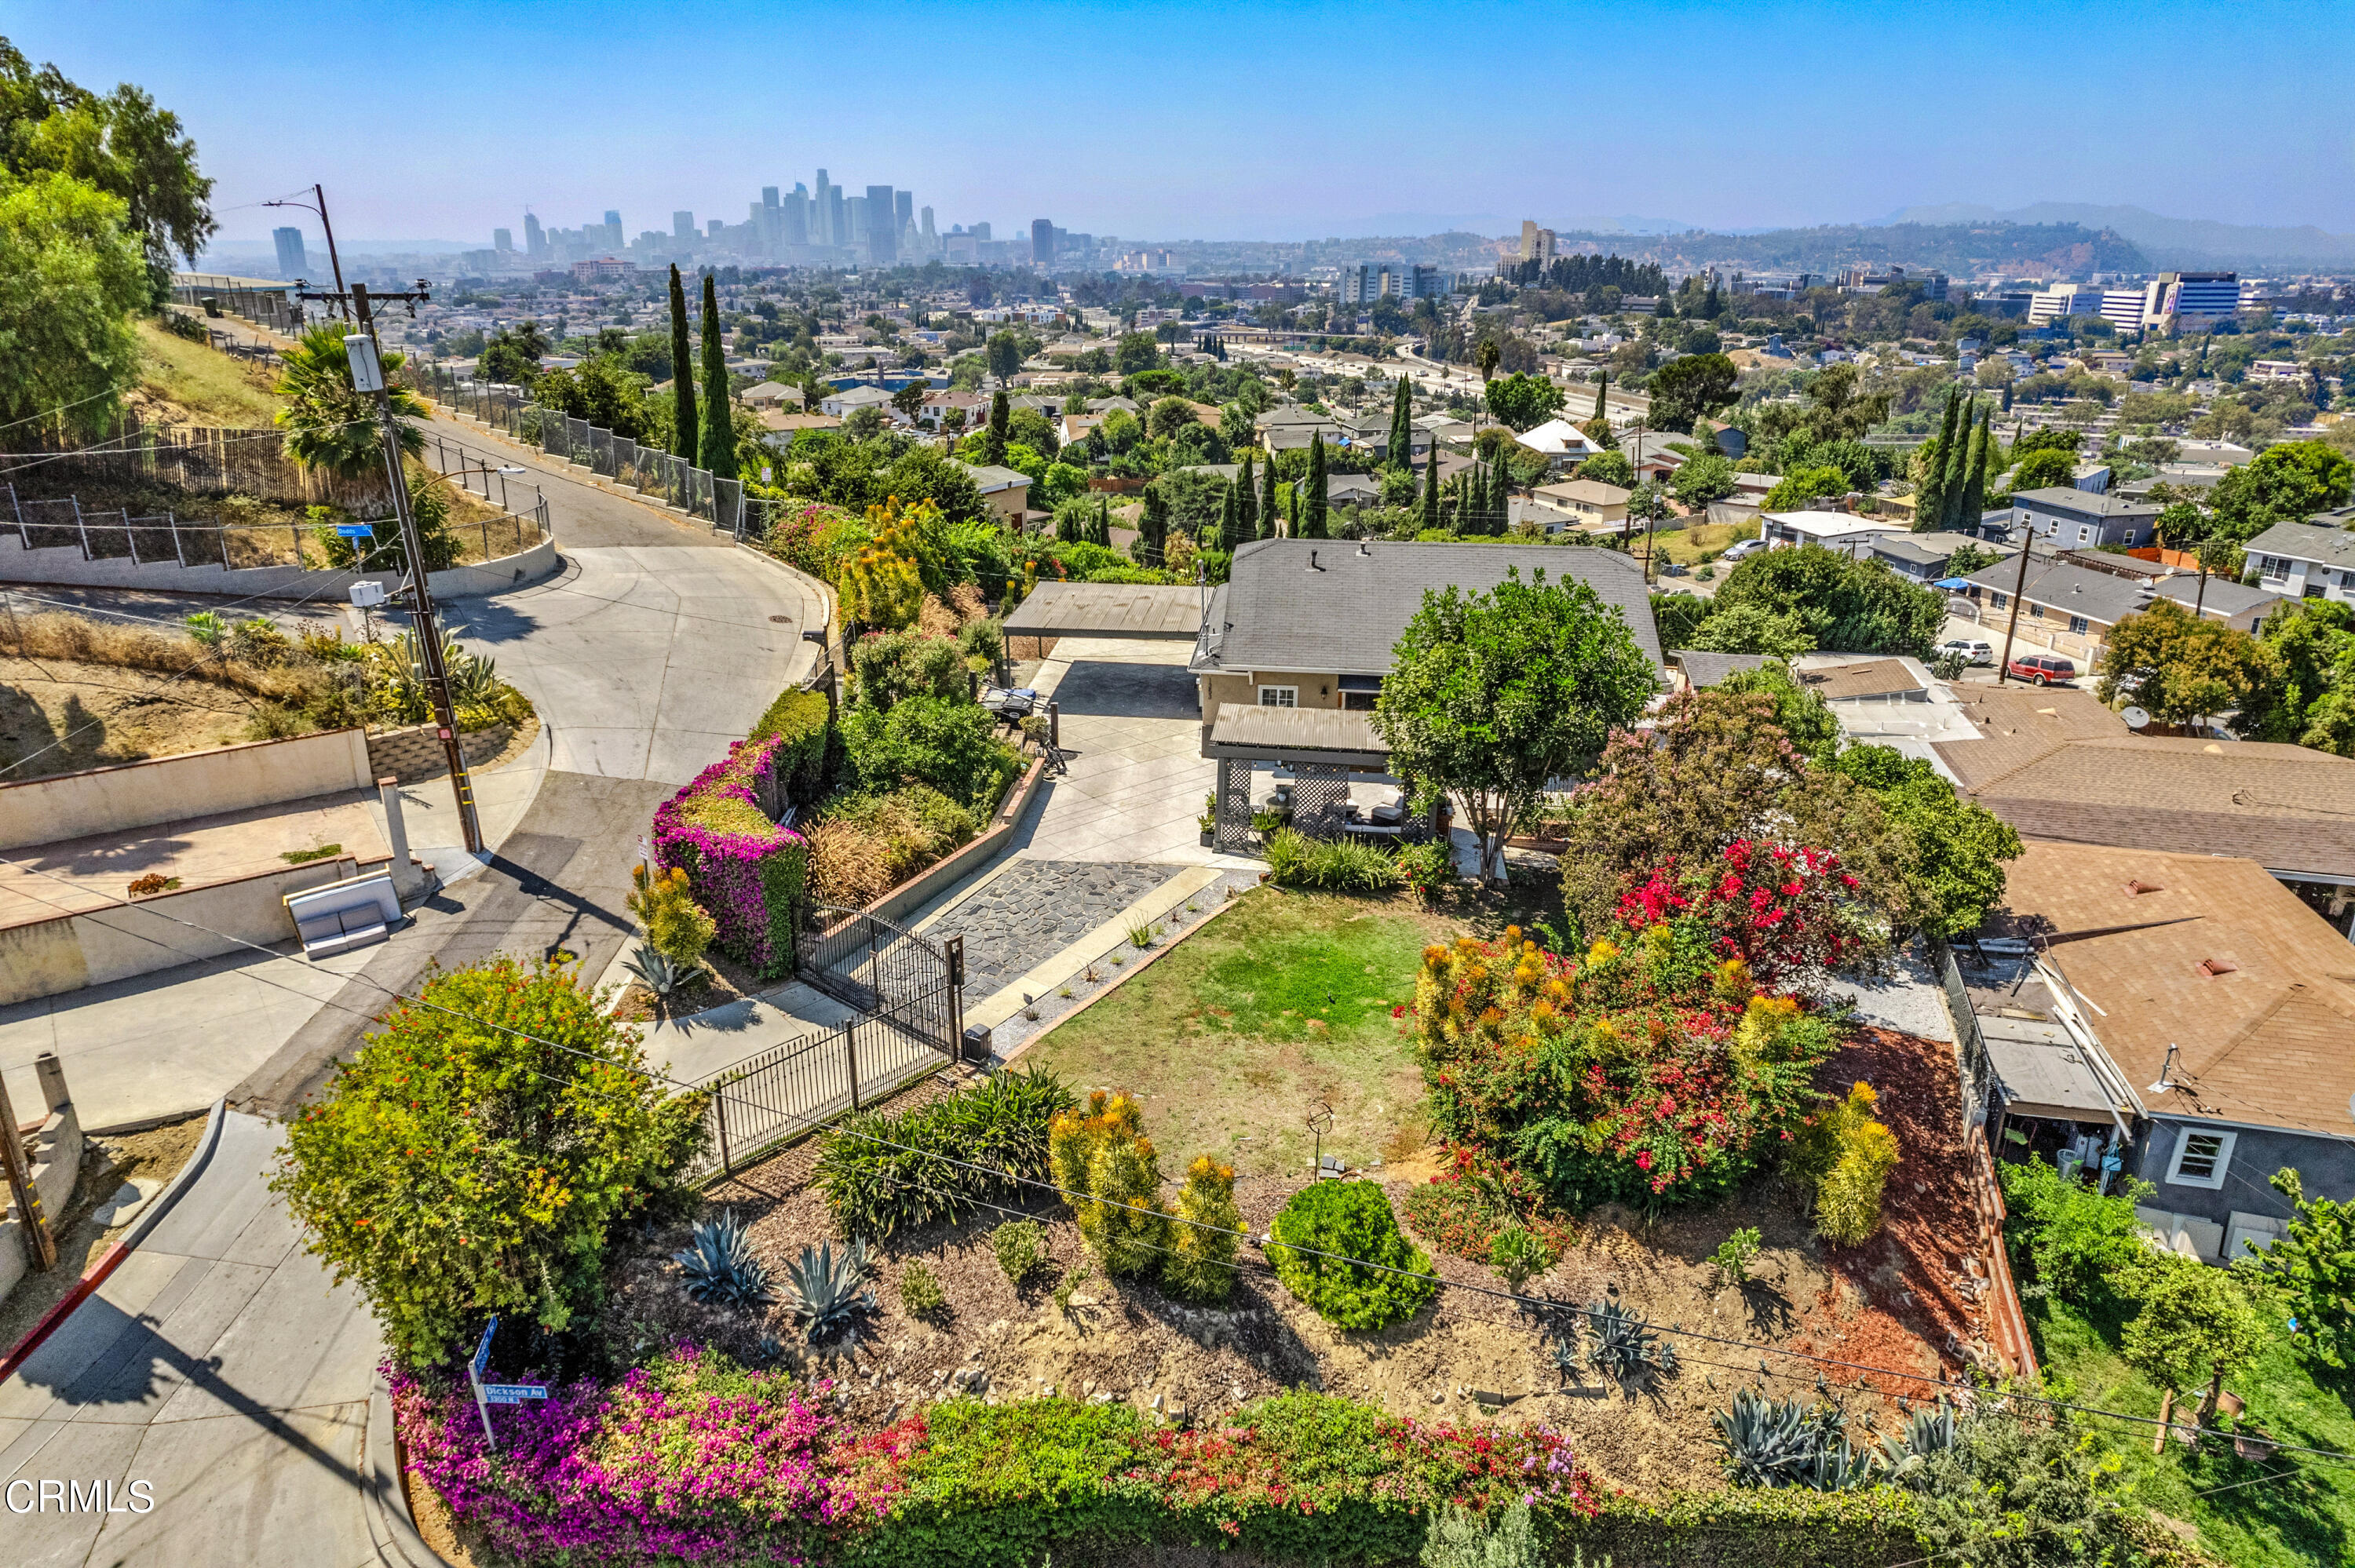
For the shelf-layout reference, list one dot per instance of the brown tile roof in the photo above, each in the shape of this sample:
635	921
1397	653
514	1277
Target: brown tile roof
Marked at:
1874	678
2214	956
2056	764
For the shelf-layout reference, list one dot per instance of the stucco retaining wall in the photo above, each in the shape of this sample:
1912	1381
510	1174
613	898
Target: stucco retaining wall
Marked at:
172	789
66	565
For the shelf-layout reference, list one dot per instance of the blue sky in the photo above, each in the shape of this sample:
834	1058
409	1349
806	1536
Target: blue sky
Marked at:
431	119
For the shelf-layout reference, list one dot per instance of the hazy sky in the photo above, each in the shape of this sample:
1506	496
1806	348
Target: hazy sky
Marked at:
428	119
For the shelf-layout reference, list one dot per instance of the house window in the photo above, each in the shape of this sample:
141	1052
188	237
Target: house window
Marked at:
2077	624
2001	599
2200	1158
2036	612
2084	534
1279	697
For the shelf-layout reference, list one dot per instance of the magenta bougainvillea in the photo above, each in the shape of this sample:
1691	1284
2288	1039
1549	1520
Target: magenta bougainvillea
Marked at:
743	868
1781	910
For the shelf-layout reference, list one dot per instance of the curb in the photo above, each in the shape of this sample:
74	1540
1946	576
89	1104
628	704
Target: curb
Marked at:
384	1500
140	1229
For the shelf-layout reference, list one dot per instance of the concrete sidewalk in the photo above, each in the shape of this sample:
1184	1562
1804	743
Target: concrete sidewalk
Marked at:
220	1366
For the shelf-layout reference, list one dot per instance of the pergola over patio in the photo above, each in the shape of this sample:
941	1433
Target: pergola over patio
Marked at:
1322	748
1152	610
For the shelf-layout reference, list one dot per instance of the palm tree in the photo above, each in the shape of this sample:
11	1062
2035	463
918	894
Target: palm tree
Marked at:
329	425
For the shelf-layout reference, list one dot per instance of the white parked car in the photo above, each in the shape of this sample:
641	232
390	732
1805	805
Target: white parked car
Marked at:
1970	652
1743	549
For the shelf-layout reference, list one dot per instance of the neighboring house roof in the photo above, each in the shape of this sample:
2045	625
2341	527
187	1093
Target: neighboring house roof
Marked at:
2056	764
1831	525
2314	541
859	396
1585	493
1290	437
1706	669
994	478
2083	502
1108	610
774	419
1652	447
1875	678
1352	487
1559	438
2212	956
772	392
1344	615
2110	598
1930	549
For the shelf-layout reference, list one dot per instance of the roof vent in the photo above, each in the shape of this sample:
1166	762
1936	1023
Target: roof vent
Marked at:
2212	968
2137	887
1312	562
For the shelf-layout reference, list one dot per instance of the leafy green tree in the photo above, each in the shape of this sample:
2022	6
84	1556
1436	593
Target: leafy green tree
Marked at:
511	358
1491	695
1005	352
1703	479
2310	698
1168	416
1688	388
1851	606
476	1155
2286	483
1523	402
2194	1322
999	433
719	435
1487	355
1609	467
1314	501
1136	352
2045	470
1929	499
1752	628
2313	1263
327	424
907	399
2180	669
1972	501
70	276
1954	849
1153	526
685	442
1795	489
2024	1492
120	144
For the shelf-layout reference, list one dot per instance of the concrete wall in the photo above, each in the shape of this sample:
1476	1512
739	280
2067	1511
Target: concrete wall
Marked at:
66	565
57	1161
69	952
416	753
196	783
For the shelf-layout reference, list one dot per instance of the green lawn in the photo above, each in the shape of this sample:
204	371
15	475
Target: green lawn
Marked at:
1231	1038
2298	1510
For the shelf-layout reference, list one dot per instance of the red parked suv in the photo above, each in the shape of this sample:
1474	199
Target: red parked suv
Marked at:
2043	669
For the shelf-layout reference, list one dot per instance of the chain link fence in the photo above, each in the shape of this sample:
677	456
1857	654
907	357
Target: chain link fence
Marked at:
213	294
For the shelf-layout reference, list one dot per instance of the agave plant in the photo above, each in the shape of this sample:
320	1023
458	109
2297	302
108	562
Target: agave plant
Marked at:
824	1292
655	971
720	1266
1788	1443
1927	1433
1625	1348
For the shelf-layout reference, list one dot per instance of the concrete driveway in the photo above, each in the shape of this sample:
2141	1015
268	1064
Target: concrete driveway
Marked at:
218	1365
1137	776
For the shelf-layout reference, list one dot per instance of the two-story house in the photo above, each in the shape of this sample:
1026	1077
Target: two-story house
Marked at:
2313	559
2073	519
2069	609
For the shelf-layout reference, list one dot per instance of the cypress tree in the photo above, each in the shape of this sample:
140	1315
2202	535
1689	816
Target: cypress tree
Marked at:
1401	444
1930	501
1957	462
1230	519
1974	499
1504	490
1247	501
682	375
2007	397
1602	387
1459	521
1268	511
1001	415
1153	525
719	434
1100	528
1314	503
1431	491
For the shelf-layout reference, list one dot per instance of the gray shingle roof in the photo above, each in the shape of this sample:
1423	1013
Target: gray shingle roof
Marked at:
1345	615
2098	596
1704	668
2085	503
2307	542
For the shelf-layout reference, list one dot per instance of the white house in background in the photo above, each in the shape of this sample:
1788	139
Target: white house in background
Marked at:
848	400
1851	536
1563	444
2314	560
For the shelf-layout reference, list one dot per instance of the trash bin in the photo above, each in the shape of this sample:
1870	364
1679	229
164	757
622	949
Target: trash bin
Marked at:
977	1042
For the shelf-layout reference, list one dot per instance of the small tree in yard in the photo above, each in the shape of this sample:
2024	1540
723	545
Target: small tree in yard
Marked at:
2195	1323
474	1156
1105	1155
2181	668
2314	1264
1492	695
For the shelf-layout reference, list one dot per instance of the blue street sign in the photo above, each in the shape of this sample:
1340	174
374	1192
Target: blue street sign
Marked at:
483	1351
355	531
513	1393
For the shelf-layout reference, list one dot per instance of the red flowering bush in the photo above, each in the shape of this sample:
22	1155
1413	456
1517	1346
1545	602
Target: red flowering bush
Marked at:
1656	1070
1780	910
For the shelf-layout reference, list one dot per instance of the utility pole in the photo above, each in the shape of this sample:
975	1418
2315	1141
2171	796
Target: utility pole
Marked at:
342	300
368	377
2011	626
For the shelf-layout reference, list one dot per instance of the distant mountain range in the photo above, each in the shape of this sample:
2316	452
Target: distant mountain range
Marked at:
1960	249
2176	242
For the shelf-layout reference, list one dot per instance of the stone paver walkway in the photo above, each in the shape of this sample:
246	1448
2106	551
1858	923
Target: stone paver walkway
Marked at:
1034	909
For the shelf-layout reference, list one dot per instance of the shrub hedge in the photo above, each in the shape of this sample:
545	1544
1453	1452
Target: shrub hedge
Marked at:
873	1188
1350	1219
744	869
803	750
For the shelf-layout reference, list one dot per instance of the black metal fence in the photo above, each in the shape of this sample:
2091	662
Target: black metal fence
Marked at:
649	471
200	459
909	992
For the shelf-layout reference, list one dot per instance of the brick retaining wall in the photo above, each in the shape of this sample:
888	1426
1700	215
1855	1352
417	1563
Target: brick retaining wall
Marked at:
415	753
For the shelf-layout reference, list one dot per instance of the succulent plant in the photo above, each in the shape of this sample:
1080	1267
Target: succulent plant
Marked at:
1927	1432
1788	1443
721	1268
655	971
1623	1348
824	1292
